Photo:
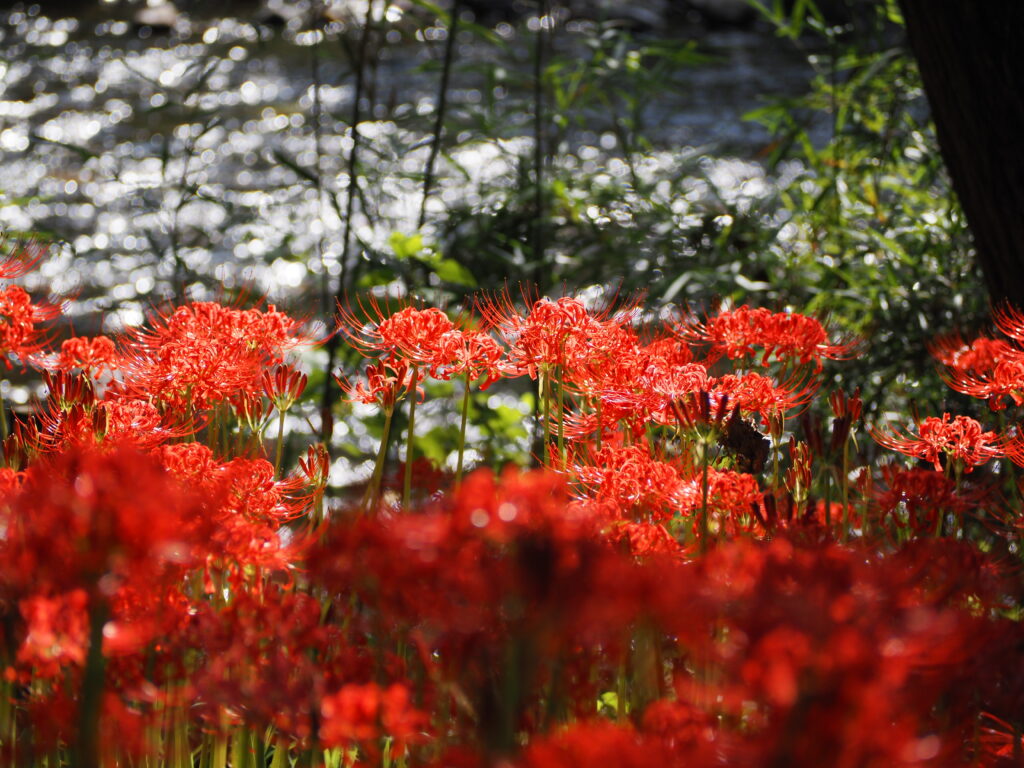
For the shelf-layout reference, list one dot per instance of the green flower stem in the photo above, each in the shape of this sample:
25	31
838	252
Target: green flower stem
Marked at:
845	486
545	394
828	500
280	759
220	750
561	415
373	489
4	431
703	522
407	484
86	753
462	431
280	442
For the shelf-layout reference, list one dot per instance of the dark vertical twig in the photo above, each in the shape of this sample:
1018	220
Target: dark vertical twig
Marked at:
327	420
315	27
539	145
833	74
540	438
442	105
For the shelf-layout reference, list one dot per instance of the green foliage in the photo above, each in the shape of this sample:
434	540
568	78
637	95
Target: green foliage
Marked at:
846	212
872	232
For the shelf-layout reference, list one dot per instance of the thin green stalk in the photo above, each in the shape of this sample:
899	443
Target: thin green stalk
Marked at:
845	486
462	431
407	484
776	457
181	756
703	523
545	394
622	692
280	759
241	749
561	415
280	442
4	431
828	500
8	718
220	751
205	752
600	426
373	489
86	753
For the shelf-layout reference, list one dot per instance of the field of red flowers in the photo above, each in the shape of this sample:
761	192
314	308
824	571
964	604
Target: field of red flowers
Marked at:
700	572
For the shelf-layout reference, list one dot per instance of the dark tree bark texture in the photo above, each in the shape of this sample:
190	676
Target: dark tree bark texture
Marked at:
972	64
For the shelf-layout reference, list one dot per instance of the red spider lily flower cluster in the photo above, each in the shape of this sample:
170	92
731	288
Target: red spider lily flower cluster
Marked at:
205	353
959	439
672	587
746	333
987	368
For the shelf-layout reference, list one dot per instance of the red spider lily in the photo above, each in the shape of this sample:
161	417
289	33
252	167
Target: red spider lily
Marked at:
658	388
855	654
846	411
204	353
56	633
1009	320
10	482
386	381
428	479
468	353
748	395
414	333
631	382
409	333
798	476
499	565
316	465
960	439
730	498
635	484
600	742
914	498
21	258
86	519
980	355
269	659
247	506
1014	449
753	393
699	411
66	390
249	408
780	336
552	334
284	385
74	418
1000	744
647	540
21	335
1004	379
360	714
94	356
989	369
590	360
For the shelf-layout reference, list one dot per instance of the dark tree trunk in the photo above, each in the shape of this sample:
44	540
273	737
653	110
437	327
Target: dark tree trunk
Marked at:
972	67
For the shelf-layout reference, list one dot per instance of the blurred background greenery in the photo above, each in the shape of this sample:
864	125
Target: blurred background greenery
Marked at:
773	153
